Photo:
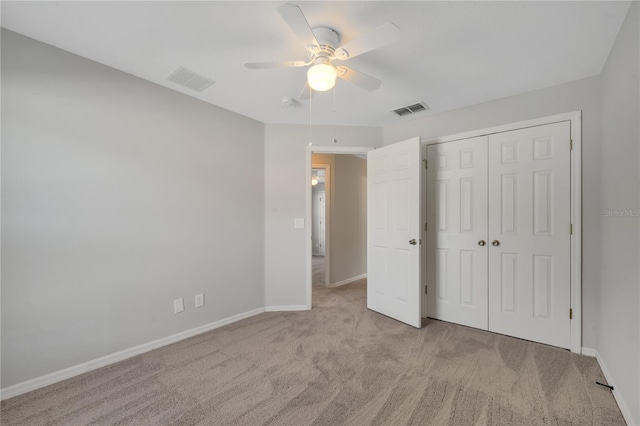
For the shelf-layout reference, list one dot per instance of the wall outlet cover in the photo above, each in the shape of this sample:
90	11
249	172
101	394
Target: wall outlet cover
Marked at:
298	223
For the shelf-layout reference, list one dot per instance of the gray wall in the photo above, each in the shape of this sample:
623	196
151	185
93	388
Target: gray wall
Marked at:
582	95
348	218
118	196
618	320
285	179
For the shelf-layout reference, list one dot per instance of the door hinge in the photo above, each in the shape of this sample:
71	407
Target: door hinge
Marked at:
425	163
570	313
425	227
571	228
570	144
425	290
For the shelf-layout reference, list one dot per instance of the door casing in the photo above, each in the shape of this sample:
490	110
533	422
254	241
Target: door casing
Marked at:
309	250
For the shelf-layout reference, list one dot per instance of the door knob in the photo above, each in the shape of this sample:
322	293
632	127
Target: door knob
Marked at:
413	242
481	243
495	243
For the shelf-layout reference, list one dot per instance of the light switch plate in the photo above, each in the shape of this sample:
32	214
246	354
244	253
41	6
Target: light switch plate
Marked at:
298	223
199	300
178	305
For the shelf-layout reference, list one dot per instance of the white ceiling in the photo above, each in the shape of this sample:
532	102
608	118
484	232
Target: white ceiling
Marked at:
450	55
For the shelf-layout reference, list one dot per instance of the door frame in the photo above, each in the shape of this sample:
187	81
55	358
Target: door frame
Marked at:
308	249
327	220
575	119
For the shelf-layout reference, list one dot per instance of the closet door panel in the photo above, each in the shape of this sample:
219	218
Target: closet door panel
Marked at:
457	222
529	232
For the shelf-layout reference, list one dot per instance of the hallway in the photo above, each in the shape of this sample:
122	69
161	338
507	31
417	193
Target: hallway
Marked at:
317	270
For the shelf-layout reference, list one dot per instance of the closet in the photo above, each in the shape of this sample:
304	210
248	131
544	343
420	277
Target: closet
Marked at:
498	213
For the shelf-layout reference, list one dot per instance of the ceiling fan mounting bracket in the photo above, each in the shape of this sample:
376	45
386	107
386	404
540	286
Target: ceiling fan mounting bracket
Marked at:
327	36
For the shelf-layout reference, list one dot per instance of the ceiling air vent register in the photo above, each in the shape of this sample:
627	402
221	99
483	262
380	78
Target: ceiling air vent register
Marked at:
190	79
411	109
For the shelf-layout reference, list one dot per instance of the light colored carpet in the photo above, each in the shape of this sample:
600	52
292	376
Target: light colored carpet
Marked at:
318	268
337	364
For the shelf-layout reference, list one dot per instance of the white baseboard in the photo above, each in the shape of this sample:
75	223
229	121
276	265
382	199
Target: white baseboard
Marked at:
589	352
284	308
347	281
57	376
616	392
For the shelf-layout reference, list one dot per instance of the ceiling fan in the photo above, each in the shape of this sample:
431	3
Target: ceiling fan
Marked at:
323	47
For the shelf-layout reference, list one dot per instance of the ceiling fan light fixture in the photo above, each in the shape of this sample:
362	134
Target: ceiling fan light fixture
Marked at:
322	77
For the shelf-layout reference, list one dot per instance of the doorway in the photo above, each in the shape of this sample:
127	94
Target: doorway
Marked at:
333	262
319	217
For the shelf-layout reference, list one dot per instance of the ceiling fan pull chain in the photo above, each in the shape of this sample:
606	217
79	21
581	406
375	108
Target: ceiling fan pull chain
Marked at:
310	101
335	140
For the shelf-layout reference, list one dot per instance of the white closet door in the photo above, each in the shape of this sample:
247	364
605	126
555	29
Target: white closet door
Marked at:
457	232
393	231
529	232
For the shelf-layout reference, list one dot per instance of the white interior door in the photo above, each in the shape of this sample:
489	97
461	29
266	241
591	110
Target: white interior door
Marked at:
529	229
393	231
457	232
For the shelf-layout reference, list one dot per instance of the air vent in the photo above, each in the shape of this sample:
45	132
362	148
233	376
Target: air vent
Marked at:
411	109
189	79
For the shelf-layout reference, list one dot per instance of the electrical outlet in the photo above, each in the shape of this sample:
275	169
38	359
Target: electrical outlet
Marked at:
298	223
178	305
199	300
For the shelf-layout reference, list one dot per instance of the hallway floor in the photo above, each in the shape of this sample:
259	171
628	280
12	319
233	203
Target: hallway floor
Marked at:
318	267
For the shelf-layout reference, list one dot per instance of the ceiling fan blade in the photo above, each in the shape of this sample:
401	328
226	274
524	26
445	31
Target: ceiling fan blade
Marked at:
274	64
358	78
381	36
307	92
294	17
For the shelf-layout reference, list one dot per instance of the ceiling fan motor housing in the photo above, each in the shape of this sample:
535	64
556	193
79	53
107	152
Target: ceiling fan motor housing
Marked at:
328	41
